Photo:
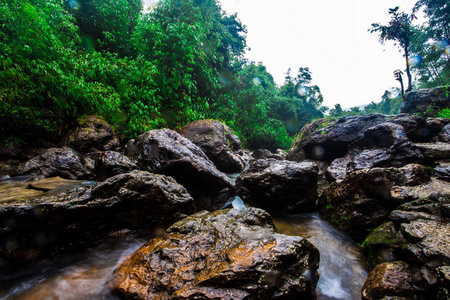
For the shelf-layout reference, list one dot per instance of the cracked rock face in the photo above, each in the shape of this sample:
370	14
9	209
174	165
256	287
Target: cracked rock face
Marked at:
227	254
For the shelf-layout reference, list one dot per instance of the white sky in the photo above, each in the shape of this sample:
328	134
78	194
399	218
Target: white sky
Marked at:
330	37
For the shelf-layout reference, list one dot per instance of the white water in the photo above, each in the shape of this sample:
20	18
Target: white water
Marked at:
342	268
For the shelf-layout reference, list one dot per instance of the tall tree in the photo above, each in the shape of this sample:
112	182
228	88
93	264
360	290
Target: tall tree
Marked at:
400	30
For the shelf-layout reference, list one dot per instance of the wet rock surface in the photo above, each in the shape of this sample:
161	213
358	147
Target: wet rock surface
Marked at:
365	198
228	254
219	144
385	144
393	279
279	186
166	152
333	141
44	226
426	101
64	162
111	163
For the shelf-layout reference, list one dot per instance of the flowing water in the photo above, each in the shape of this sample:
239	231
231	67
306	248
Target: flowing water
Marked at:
84	276
78	277
342	266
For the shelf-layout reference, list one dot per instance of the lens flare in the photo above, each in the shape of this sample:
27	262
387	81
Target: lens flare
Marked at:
74	4
441	45
256	81
414	60
302	91
398	133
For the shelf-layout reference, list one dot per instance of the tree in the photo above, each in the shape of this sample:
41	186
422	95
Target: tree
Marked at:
400	30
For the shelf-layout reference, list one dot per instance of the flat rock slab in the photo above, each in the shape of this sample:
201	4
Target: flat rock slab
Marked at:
227	254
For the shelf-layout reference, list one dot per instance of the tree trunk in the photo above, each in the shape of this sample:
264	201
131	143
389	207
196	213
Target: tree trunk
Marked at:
408	72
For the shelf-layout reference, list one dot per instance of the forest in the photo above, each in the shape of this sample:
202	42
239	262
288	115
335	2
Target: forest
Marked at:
180	61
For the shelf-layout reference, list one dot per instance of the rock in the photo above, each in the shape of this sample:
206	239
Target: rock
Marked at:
83	217
227	254
382	145
110	163
93	134
279	186
442	171
444	135
261	154
393	279
165	151
444	282
433	152
63	162
218	143
426	101
431	236
333	140
380	245
363	199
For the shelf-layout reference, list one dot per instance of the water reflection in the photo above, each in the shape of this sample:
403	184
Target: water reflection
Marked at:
342	266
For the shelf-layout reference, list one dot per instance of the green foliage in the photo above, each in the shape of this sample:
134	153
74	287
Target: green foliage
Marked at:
61	60
444	113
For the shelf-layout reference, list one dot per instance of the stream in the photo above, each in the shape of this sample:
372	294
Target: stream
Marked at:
84	276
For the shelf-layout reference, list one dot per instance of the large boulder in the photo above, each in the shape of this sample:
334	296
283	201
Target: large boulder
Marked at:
330	141
383	145
279	186
218	143
227	254
93	134
84	216
365	198
166	152
426	101
64	162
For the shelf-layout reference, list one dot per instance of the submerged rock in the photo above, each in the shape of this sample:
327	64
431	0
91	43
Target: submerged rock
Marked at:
227	254
218	143
279	186
166	152
83	217
64	162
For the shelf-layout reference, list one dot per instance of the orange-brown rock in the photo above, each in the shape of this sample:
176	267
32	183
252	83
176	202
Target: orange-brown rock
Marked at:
227	254
390	279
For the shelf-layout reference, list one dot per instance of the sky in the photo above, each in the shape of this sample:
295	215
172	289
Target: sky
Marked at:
330	37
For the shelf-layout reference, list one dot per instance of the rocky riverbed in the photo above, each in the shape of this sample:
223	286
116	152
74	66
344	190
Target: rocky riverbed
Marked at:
382	180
